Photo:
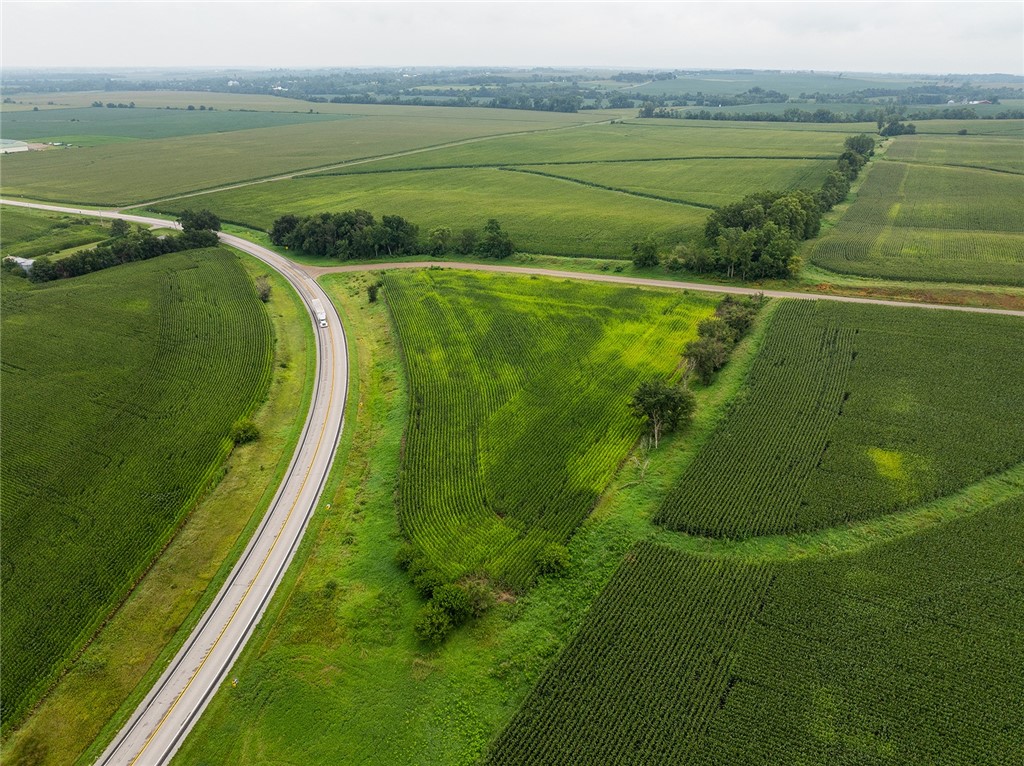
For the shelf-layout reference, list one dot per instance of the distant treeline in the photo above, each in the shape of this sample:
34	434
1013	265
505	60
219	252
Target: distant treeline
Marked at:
822	115
356	234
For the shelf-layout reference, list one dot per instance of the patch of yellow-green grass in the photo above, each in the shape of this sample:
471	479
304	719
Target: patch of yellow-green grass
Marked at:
89	704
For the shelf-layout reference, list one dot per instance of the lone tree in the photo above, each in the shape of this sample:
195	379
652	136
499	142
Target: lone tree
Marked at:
645	253
663	405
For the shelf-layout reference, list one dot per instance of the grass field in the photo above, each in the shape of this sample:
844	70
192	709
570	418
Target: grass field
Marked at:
896	654
856	411
115	423
32	233
144	170
519	417
87	124
917	221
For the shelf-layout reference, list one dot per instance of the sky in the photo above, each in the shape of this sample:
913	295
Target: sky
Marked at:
912	37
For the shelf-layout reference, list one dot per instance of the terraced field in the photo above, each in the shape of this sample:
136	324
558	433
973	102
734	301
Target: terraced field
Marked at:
120	392
934	222
519	415
856	411
897	654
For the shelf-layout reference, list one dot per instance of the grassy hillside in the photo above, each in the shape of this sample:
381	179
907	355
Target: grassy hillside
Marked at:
897	654
519	417
857	411
934	222
120	392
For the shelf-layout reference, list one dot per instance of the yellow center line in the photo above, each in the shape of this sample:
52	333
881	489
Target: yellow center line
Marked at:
245	595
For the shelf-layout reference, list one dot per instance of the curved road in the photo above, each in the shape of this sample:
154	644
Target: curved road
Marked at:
157	728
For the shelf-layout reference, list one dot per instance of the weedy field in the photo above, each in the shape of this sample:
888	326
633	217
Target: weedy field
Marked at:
121	389
519	415
942	221
857	411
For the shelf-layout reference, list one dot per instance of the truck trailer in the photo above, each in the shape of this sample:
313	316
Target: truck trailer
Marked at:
321	315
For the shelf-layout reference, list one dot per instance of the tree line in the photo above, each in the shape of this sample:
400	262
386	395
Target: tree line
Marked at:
356	234
128	244
758	236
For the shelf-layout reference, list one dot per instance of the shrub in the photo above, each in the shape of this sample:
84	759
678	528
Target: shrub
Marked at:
553	559
244	431
455	601
433	624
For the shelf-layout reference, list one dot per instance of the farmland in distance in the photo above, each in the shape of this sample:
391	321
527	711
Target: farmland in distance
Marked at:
103	459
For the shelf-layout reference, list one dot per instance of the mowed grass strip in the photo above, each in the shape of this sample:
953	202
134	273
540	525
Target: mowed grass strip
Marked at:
32	233
120	392
125	173
542	215
896	654
857	411
519	414
929	222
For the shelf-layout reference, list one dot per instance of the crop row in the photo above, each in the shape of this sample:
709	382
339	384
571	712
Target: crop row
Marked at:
120	394
902	653
519	416
856	411
648	669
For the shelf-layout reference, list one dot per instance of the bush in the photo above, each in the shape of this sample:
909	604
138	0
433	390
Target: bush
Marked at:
455	601
244	431
263	289
645	253
371	291
553	559
433	624
405	555
424	578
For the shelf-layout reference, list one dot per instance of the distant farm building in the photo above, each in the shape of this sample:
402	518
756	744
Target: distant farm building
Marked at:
7	146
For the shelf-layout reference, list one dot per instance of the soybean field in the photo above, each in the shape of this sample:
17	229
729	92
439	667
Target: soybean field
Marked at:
32	233
855	411
519	392
121	389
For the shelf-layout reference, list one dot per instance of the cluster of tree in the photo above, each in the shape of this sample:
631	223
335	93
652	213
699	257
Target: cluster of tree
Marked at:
917	94
880	116
356	234
449	605
128	245
718	335
896	128
112	105
758	236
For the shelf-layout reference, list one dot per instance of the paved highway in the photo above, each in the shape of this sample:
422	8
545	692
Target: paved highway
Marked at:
158	726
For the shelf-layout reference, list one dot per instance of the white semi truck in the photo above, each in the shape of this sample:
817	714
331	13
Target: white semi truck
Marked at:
318	309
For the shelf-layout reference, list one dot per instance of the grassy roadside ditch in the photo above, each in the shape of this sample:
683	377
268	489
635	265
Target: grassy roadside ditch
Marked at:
87	706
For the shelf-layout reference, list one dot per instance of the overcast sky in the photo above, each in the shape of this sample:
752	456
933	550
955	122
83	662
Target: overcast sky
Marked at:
919	37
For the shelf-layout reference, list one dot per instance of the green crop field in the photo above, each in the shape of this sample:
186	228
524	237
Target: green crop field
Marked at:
141	123
931	222
137	171
704	182
857	411
519	417
120	392
987	152
973	127
902	653
542	215
32	233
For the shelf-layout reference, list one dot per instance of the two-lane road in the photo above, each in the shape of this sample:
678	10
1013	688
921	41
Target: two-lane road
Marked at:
158	726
